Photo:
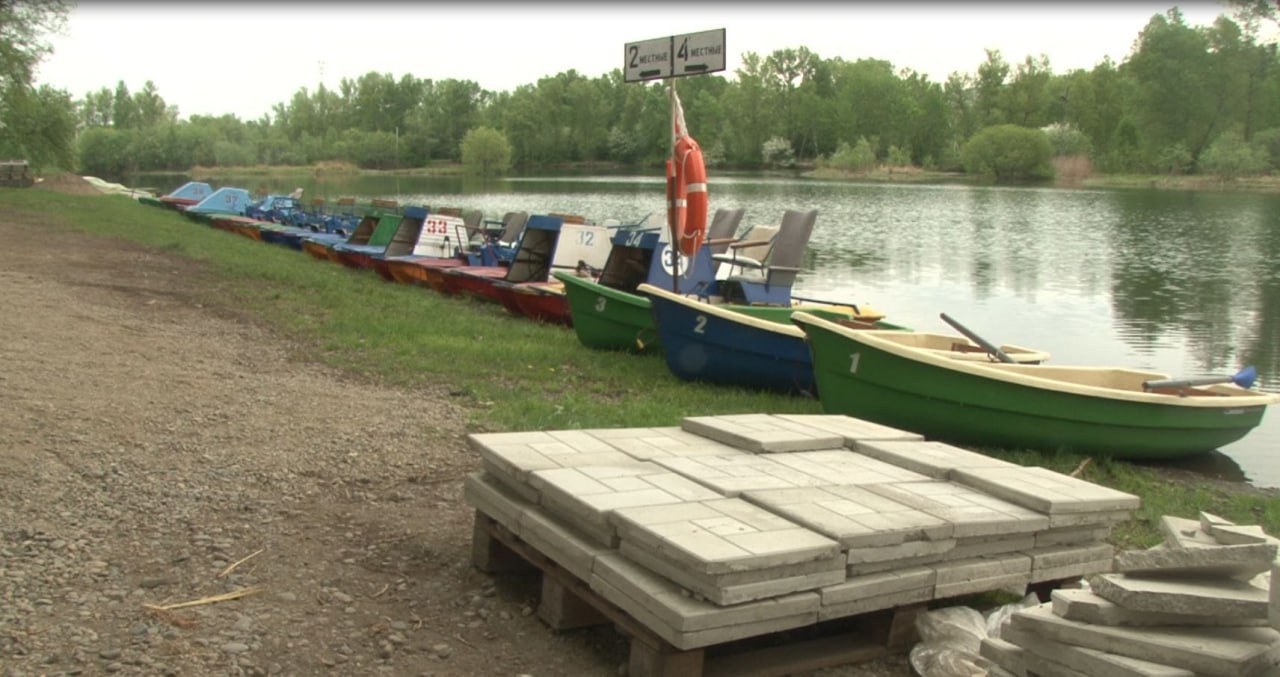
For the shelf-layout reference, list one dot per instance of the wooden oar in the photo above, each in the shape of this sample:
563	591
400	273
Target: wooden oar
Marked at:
1245	378
986	345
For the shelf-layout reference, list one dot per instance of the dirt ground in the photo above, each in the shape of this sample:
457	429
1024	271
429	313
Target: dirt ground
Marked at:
156	450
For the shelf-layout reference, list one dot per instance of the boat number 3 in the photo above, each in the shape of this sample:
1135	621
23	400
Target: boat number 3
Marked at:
599	304
700	324
853	362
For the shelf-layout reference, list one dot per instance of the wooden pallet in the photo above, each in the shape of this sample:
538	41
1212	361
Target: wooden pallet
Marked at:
568	602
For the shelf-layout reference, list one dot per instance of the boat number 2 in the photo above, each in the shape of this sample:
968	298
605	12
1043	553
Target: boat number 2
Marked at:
599	304
853	362
700	324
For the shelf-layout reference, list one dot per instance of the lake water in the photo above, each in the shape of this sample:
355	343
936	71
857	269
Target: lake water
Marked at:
1180	282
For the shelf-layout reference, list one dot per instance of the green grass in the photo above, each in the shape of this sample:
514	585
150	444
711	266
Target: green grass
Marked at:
510	373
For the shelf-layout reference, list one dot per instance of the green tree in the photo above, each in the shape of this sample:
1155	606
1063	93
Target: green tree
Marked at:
1009	153
486	151
23	25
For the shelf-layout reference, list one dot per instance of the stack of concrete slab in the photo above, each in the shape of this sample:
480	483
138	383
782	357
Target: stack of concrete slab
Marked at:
729	525
1198	604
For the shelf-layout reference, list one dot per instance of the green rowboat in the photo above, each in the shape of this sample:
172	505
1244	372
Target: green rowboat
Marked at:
1097	410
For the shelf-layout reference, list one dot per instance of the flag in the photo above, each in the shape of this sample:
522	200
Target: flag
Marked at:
678	128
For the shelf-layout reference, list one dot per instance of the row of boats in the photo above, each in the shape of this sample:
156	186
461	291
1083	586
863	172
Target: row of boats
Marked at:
728	315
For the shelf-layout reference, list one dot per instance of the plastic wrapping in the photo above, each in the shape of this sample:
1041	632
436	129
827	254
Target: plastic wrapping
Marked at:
951	639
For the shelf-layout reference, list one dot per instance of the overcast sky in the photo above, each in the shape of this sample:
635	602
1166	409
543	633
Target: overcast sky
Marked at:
242	57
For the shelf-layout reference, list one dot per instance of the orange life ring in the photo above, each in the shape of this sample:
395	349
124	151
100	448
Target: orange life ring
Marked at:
687	215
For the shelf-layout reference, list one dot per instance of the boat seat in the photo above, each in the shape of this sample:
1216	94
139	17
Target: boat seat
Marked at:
720	233
768	281
748	252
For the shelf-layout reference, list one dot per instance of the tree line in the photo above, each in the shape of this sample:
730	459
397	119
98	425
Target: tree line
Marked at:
1187	99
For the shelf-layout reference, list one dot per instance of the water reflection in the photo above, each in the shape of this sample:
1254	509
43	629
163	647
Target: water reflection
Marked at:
1184	283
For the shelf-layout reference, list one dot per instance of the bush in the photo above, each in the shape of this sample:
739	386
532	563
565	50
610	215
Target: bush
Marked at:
1175	159
1268	141
1067	141
777	152
1229	156
859	158
1009	153
486	151
899	157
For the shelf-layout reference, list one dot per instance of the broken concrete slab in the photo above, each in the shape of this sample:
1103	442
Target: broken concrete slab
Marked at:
1219	652
854	516
1088	607
1183	596
932	459
1241	562
1005	654
1273	612
1082	660
1180	532
761	433
1045	491
1229	533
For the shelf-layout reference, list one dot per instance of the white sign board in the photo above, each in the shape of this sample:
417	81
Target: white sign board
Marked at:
675	56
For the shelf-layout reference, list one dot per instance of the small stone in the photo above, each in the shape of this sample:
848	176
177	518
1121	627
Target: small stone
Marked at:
109	654
235	647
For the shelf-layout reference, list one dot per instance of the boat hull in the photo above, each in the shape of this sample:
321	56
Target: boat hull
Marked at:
477	281
967	406
605	318
542	302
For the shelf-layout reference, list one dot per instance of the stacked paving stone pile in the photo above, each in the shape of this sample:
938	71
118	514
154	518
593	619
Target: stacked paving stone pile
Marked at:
734	526
1198	604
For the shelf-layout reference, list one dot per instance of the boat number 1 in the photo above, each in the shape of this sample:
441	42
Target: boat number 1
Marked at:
853	362
700	324
599	304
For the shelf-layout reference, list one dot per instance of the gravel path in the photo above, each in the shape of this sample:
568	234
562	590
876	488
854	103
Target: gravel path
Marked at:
155	451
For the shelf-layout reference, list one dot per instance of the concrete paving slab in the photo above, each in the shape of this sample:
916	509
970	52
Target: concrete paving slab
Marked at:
1105	519
1044	490
588	494
1273	612
1071	536
1090	662
698	638
648	443
561	542
1067	555
981	546
1219	652
486	494
722	535
972	512
845	467
1088	607
732	475
1203	597
761	433
861	587
1241	562
515	455
1228	533
853	430
755	585
1070	571
852	515
981	574
912	552
1005	654
871	603
932	459
514	484
669	603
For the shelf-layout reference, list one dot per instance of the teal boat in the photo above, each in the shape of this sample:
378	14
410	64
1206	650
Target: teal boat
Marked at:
1123	413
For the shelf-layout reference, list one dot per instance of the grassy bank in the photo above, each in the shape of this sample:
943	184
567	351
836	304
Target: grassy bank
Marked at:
508	372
